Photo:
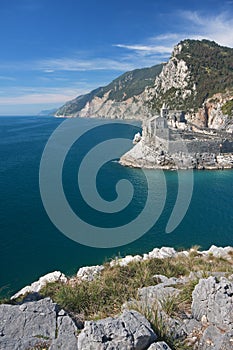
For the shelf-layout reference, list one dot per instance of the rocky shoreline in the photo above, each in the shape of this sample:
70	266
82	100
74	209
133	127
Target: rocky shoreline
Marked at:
36	322
146	156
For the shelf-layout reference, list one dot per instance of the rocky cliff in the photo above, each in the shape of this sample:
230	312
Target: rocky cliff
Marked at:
198	78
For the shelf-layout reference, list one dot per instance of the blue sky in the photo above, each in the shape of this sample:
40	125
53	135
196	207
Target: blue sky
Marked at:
55	50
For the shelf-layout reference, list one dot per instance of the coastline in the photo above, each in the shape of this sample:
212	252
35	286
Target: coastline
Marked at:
165	299
147	156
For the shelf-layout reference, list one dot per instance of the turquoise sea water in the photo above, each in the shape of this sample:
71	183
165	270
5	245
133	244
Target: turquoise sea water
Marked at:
30	245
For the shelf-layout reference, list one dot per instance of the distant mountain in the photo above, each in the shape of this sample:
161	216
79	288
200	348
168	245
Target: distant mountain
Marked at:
48	112
198	78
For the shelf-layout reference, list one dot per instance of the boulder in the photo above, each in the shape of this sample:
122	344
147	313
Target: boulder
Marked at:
129	331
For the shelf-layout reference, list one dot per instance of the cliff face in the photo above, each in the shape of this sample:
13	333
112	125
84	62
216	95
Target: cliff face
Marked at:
198	79
120	99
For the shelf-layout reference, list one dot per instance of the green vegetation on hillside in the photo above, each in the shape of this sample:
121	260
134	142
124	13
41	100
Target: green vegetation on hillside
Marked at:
211	67
211	71
127	85
227	108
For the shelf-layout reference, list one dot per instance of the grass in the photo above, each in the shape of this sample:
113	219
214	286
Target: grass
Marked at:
159	325
105	295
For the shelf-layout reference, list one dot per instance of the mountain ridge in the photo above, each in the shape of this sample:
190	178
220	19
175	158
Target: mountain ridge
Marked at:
197	75
120	89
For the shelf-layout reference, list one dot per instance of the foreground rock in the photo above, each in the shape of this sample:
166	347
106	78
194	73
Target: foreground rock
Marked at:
213	301
130	331
32	324
209	323
41	325
206	324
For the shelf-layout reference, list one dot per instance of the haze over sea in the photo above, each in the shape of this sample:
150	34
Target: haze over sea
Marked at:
31	246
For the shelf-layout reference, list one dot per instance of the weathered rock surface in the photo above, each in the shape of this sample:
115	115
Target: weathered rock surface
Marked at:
36	323
89	273
218	252
211	320
126	260
129	331
214	338
214	300
143	155
160	345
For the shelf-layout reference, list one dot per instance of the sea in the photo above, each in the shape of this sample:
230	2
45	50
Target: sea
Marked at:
33	244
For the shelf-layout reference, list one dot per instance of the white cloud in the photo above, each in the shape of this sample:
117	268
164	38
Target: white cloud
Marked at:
192	25
71	64
40	96
52	65
159	49
218	28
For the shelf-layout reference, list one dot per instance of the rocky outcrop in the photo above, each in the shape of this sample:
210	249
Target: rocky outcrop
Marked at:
35	287
213	115
208	324
213	300
144	155
41	325
89	273
129	331
197	79
35	324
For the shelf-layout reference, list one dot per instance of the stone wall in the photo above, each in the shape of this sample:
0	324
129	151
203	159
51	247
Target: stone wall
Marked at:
197	145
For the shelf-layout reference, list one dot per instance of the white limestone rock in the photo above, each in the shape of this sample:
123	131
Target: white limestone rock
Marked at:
160	253
126	260
35	287
89	273
218	252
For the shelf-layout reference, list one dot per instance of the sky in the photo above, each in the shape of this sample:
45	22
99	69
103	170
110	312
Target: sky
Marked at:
54	50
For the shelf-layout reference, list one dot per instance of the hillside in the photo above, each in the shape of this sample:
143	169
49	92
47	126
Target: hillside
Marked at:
128	85
198	79
196	71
